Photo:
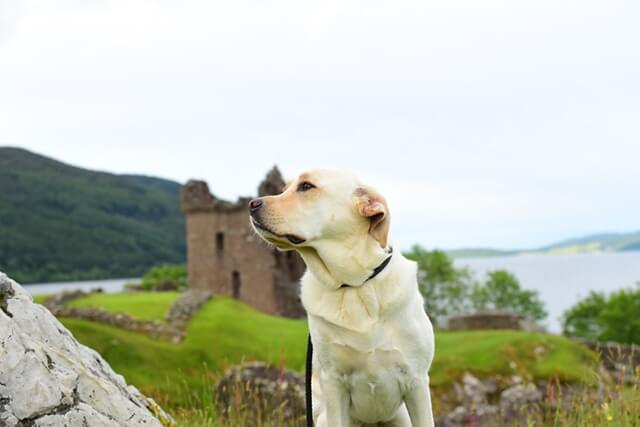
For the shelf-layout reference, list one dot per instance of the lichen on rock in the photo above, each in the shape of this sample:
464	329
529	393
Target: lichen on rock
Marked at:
47	378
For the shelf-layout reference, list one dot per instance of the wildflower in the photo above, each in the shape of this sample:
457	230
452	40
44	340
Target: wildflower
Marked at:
605	409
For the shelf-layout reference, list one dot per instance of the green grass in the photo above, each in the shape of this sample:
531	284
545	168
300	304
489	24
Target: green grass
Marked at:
530	355
141	305
40	299
226	332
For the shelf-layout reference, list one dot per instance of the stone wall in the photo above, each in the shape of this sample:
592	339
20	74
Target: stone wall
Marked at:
491	320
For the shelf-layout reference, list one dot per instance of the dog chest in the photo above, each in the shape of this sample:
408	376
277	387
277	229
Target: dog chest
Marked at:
376	381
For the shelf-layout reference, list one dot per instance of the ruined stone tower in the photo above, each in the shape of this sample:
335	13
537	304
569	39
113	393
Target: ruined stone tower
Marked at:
224	254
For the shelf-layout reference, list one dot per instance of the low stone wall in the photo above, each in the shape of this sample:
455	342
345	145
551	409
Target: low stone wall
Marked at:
491	320
177	320
185	307
57	301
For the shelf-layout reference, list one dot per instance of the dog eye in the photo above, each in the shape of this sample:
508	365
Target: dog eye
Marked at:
305	186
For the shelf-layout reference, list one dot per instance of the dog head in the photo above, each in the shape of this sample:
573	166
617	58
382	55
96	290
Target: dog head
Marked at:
336	223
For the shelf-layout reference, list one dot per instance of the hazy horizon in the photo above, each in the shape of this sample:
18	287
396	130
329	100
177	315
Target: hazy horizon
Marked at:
593	233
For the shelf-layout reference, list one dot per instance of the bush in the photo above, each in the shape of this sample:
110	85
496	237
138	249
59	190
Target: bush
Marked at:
165	277
502	291
606	318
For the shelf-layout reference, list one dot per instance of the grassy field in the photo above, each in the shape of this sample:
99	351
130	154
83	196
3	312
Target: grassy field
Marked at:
226	332
141	305
222	334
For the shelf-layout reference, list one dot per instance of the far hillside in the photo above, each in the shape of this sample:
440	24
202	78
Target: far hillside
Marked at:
604	242
60	222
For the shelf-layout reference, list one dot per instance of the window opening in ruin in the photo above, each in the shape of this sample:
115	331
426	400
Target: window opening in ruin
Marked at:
235	284
220	242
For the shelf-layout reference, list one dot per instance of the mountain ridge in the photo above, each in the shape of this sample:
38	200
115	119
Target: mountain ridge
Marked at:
63	222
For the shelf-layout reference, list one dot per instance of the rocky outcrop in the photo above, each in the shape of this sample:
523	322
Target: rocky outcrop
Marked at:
47	378
261	392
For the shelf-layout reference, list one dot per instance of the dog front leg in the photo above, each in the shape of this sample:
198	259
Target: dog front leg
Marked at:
418	402
336	403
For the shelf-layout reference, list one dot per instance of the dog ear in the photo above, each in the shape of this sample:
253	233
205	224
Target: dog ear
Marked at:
370	204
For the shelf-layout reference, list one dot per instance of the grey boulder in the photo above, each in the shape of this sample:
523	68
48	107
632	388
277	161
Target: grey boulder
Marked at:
47	378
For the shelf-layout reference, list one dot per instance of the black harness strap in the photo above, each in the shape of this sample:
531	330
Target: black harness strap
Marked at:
309	364
307	379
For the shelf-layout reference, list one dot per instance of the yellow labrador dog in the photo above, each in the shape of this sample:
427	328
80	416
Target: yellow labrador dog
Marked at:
373	341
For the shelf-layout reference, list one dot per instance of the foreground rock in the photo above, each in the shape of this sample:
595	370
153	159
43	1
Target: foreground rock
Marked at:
47	378
257	392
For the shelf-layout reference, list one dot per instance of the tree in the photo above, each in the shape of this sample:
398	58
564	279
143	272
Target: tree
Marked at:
581	320
502	291
606	318
445	288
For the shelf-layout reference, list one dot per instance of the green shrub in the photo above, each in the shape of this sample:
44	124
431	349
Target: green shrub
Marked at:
165	277
615	317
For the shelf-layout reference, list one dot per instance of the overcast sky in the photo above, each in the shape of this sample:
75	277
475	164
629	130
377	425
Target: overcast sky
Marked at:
485	123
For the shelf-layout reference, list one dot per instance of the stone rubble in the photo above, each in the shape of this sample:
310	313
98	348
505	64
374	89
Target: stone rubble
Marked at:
275	396
481	403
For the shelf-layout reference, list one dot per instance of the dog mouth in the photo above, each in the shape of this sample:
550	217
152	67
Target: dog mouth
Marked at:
291	238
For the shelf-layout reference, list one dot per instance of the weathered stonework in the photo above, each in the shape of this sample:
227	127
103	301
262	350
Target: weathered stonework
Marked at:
491	320
225	256
47	378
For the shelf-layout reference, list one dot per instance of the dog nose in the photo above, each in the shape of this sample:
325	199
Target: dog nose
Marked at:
255	204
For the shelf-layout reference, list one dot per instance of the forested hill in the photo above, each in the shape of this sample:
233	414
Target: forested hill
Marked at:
60	222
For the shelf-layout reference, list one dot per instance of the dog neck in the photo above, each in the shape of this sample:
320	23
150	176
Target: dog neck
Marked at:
351	264
376	270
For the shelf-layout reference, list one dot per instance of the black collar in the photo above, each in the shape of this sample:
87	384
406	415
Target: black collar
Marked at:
376	270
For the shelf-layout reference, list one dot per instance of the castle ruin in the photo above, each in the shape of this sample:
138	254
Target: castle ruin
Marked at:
224	255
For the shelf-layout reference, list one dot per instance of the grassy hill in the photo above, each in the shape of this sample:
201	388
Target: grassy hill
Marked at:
609	242
60	222
226	332
605	242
